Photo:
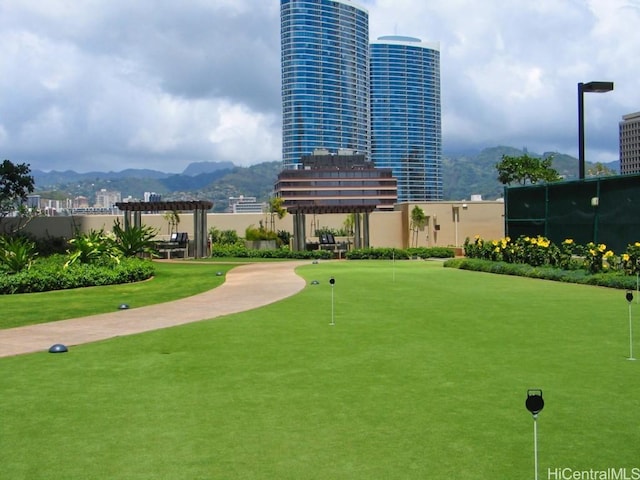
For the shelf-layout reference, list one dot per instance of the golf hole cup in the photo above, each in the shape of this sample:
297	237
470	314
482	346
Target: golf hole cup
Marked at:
534	402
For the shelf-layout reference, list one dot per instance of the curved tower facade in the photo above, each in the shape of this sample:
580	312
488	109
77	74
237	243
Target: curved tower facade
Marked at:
406	131
325	77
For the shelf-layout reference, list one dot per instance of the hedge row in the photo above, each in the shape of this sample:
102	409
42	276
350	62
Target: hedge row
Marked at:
611	279
49	274
240	251
399	254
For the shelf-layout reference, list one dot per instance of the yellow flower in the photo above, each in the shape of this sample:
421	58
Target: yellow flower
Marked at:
534	241
609	254
494	243
637	244
625	257
592	252
602	247
568	241
526	239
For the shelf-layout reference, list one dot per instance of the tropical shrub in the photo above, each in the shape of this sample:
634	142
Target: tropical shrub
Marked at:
582	276
284	237
398	253
431	252
48	274
16	254
540	251
92	247
630	260
240	251
257	234
377	254
134	240
224	237
345	231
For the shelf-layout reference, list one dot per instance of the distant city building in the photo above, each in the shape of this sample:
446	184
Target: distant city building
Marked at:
244	204
630	143
48	207
325	77
33	201
152	197
80	202
406	132
107	199
340	182
94	210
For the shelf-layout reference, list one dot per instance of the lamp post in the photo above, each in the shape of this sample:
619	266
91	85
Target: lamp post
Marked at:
596	87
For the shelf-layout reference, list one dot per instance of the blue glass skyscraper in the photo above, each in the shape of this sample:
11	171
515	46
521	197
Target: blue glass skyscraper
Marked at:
325	77
406	132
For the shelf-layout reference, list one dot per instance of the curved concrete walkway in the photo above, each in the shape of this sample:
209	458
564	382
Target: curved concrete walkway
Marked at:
246	287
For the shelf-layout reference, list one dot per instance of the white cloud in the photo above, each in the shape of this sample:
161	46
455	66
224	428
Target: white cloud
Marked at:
242	135
99	84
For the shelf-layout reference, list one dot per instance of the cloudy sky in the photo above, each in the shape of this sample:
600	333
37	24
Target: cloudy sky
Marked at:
114	84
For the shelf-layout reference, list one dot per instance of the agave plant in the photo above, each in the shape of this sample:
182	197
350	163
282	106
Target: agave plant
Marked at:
134	240
16	253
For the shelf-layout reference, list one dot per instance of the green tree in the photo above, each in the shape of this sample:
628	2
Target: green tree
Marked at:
276	210
349	224
15	184
418	221
173	220
526	169
600	170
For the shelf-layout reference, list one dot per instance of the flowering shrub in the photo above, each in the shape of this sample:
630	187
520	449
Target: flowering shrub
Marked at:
597	258
540	251
630	260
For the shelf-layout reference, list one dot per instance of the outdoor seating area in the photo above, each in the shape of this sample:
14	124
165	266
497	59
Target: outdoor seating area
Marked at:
327	241
177	245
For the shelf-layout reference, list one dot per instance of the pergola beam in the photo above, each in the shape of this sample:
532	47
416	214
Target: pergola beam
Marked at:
198	207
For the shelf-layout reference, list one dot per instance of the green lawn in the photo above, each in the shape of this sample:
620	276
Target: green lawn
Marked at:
170	282
423	376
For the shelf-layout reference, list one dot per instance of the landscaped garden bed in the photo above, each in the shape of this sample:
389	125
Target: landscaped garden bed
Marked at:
92	259
538	257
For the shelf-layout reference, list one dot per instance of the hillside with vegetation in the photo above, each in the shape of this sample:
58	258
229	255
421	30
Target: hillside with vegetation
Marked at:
462	175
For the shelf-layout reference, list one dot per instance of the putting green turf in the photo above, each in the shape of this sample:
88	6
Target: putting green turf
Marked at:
172	281
423	375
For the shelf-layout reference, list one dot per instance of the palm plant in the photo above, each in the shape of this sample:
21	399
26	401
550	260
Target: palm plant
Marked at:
418	221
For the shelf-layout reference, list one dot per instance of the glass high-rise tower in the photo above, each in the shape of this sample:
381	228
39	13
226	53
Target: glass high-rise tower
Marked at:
406	132
325	77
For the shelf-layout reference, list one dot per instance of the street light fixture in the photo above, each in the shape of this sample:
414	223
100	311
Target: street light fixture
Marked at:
595	87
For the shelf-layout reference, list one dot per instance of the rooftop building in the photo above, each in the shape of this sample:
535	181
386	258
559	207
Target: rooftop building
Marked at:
325	77
406	132
630	143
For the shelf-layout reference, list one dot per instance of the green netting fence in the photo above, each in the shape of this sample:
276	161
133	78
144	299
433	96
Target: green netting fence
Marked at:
600	210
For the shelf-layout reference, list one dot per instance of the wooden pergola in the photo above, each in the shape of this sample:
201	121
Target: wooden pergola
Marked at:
198	207
360	221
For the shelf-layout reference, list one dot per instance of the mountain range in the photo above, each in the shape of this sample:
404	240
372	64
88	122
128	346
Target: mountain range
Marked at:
463	175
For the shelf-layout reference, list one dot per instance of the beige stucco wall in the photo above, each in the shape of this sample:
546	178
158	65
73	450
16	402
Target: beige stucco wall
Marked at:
387	229
457	221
